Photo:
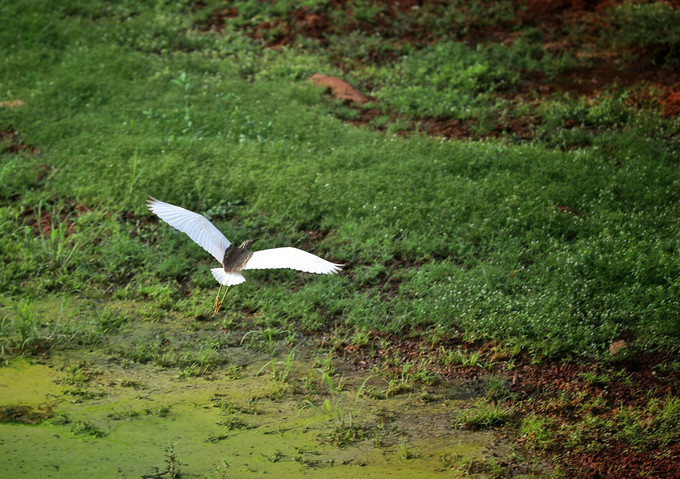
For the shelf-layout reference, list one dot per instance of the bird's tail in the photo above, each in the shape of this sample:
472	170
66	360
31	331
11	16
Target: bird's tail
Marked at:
227	279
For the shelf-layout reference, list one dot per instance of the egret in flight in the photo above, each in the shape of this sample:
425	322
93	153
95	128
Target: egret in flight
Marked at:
233	259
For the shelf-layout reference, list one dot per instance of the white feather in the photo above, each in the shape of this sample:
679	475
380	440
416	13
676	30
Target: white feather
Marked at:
196	226
204	233
227	279
292	258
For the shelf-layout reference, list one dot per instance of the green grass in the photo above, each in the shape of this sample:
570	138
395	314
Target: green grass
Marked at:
483	414
130	99
338	413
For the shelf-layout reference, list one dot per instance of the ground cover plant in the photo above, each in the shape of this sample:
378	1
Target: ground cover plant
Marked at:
507	198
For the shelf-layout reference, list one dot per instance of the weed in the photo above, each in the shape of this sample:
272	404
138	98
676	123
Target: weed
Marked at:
483	414
172	465
163	411
594	378
457	463
341	417
407	453
195	370
127	414
56	247
78	375
81	394
221	471
538	432
496	387
459	357
280	371
233	371
409	375
20	329
276	456
232	422
360	338
655	23
109	320
85	427
25	335
654	425
302	455
311	384
60	419
183	82
130	383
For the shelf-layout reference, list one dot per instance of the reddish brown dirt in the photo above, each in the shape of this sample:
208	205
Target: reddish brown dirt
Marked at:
41	221
10	143
400	23
541	389
670	102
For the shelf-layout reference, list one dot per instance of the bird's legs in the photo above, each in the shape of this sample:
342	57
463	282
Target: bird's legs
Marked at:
218	305
215	302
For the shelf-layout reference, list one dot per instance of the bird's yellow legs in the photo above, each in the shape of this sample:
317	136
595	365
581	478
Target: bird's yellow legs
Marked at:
218	304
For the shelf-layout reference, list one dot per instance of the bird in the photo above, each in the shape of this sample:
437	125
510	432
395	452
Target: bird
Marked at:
236	259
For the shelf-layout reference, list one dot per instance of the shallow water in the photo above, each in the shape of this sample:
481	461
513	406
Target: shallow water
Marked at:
128	422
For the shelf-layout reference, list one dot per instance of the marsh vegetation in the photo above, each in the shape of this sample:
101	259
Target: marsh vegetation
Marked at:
506	204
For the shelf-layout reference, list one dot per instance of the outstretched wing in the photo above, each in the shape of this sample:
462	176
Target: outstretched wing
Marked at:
291	258
199	229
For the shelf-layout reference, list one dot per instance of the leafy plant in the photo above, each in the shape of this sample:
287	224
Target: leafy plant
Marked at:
340	416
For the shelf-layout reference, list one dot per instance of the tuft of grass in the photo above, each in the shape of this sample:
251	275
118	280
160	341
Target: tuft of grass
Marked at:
652	426
56	247
538	432
340	416
279	371
459	357
24	333
87	428
20	330
496	387
483	414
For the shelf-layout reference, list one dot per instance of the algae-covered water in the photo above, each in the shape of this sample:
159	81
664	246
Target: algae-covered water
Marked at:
85	415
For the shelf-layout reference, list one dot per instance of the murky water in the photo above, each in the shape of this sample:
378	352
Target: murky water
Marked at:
147	421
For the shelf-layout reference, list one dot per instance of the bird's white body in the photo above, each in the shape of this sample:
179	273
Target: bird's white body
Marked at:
227	279
206	235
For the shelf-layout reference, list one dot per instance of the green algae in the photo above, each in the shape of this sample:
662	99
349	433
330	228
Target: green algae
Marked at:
224	424
125	406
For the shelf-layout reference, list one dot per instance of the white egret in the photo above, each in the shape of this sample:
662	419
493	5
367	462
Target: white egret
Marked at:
233	259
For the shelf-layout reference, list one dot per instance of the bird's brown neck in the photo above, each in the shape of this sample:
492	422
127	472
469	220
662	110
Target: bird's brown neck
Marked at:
235	258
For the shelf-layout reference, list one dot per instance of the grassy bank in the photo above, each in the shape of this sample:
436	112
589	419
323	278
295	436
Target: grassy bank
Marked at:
556	251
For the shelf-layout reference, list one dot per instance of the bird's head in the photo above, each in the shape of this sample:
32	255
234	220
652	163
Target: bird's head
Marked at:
247	244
